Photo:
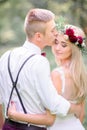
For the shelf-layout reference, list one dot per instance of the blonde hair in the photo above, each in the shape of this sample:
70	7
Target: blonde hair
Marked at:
77	66
35	21
78	72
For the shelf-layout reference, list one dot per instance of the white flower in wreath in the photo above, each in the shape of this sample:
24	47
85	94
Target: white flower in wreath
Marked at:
83	44
66	37
76	43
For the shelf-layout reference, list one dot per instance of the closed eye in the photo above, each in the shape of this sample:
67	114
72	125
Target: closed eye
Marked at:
64	44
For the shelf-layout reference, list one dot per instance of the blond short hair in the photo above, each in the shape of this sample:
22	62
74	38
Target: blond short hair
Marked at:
35	21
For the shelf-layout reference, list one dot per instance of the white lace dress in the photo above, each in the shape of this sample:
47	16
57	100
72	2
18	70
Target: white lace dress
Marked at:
70	122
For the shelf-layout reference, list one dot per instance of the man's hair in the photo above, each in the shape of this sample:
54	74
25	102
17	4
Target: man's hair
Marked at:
36	20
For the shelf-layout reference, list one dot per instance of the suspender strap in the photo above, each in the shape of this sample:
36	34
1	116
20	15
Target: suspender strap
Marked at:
14	83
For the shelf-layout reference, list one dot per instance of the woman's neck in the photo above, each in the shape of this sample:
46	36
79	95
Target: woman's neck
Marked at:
65	64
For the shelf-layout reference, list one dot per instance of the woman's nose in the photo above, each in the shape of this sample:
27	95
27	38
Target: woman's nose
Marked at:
58	46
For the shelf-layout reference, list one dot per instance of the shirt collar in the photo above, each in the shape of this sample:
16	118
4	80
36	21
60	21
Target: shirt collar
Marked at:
32	47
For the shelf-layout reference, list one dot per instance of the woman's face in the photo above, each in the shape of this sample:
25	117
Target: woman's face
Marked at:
62	48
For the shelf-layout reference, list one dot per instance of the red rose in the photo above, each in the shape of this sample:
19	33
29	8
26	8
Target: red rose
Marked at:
69	32
73	39
80	40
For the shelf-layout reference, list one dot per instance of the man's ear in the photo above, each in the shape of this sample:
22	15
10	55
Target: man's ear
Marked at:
38	36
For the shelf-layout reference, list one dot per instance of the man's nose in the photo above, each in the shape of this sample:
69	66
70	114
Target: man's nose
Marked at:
56	33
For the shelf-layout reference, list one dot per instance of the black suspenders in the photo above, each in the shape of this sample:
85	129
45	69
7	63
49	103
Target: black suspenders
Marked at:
14	83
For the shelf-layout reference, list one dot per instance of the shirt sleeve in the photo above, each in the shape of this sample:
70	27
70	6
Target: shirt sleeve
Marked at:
1	79
0	100
0	91
46	91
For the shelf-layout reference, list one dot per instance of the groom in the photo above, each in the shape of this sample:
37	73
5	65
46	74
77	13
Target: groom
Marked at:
33	90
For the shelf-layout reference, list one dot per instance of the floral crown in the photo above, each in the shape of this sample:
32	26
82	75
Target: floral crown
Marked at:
70	35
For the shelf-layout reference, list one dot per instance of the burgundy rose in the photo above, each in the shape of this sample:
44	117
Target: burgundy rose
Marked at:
69	32
80	40
73	39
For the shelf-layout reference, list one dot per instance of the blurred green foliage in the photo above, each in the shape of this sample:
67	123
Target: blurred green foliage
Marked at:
13	12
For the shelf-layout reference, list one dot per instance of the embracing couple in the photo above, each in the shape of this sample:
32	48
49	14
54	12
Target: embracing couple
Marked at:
34	98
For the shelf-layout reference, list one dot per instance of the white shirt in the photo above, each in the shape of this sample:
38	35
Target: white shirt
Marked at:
34	83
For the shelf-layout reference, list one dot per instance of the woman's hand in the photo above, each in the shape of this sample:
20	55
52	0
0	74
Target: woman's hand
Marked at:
50	117
12	110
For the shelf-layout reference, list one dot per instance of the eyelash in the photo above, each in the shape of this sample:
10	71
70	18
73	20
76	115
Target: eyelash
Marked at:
64	45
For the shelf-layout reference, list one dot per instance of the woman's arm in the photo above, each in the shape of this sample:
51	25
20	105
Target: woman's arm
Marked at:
39	119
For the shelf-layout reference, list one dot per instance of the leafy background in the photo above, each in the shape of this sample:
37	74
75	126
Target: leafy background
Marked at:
12	15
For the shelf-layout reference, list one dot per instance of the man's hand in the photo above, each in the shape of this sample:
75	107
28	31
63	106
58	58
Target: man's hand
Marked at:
82	115
76	109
